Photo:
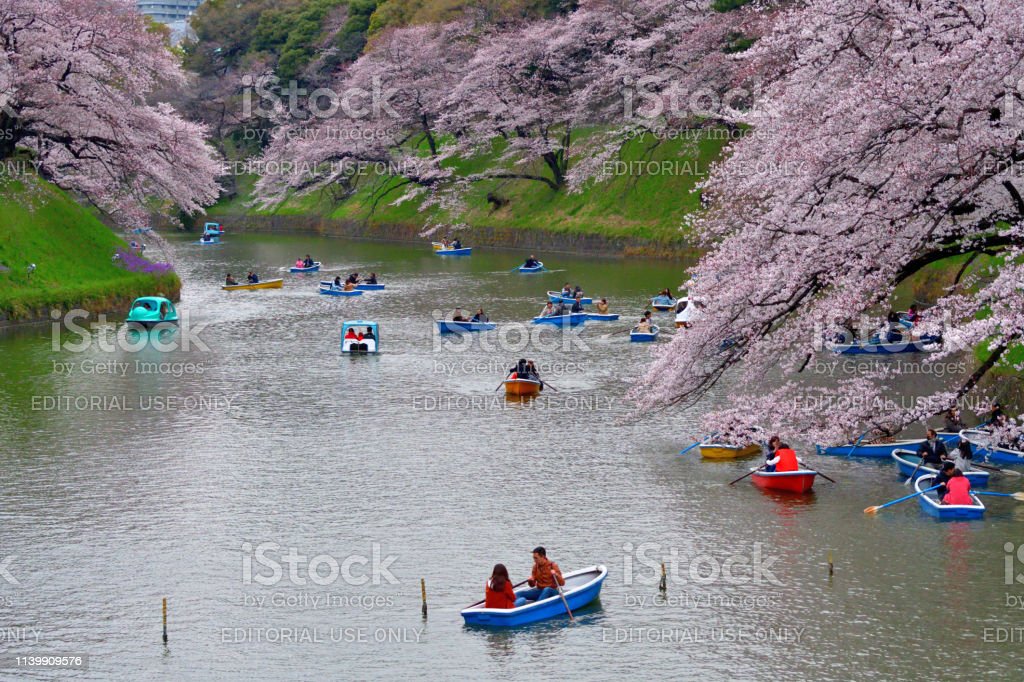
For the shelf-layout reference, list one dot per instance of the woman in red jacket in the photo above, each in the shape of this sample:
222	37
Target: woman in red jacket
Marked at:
958	489
498	593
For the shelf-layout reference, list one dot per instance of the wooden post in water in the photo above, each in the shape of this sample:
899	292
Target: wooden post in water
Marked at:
831	568
663	585
165	620
423	594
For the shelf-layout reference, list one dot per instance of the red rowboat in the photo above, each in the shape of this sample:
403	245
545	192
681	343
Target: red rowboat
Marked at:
791	481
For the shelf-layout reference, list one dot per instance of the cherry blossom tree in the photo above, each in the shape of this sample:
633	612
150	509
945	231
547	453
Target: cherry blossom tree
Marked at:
382	113
75	76
889	138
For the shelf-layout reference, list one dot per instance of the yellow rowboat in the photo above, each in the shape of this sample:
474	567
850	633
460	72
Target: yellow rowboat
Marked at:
720	451
269	284
518	388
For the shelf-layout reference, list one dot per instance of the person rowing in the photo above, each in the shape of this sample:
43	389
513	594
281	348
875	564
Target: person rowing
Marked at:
577	304
531	262
933	451
784	459
602	306
560	309
958	489
457	316
567	291
230	281
953	422
253	278
479	316
548	310
457	244
942	478
308	261
520	370
372	279
643	326
543	581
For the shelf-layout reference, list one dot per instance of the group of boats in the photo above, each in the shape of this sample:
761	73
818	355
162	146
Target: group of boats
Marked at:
909	465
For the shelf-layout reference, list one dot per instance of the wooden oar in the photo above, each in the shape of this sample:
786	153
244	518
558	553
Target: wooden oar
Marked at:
875	509
501	384
1007	472
547	385
919	463
562	595
752	471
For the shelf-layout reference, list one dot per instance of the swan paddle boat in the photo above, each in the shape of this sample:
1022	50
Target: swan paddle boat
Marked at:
530	270
567	320
982	448
557	297
723	451
581	588
601	317
799	481
907	461
315	267
268	284
883	450
331	290
663	303
149	311
522	388
360	342
644	337
946	512
463	251
453	327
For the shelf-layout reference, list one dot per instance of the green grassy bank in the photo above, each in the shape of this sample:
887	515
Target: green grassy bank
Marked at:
646	198
72	252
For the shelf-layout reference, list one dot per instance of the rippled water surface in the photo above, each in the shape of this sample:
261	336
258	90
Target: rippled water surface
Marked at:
263	440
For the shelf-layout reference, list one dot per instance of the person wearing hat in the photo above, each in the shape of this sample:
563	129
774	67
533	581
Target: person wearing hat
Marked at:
543	579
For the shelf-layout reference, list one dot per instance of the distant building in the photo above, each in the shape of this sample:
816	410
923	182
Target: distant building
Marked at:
174	13
168	11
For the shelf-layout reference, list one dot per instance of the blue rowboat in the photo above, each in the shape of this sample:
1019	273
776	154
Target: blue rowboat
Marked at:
536	268
315	267
567	320
556	297
925	344
946	512
465	251
581	587
644	337
883	450
452	327
360	287
334	291
907	461
598	317
982	448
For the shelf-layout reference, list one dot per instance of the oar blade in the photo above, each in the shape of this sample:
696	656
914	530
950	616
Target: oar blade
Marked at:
871	510
1019	497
